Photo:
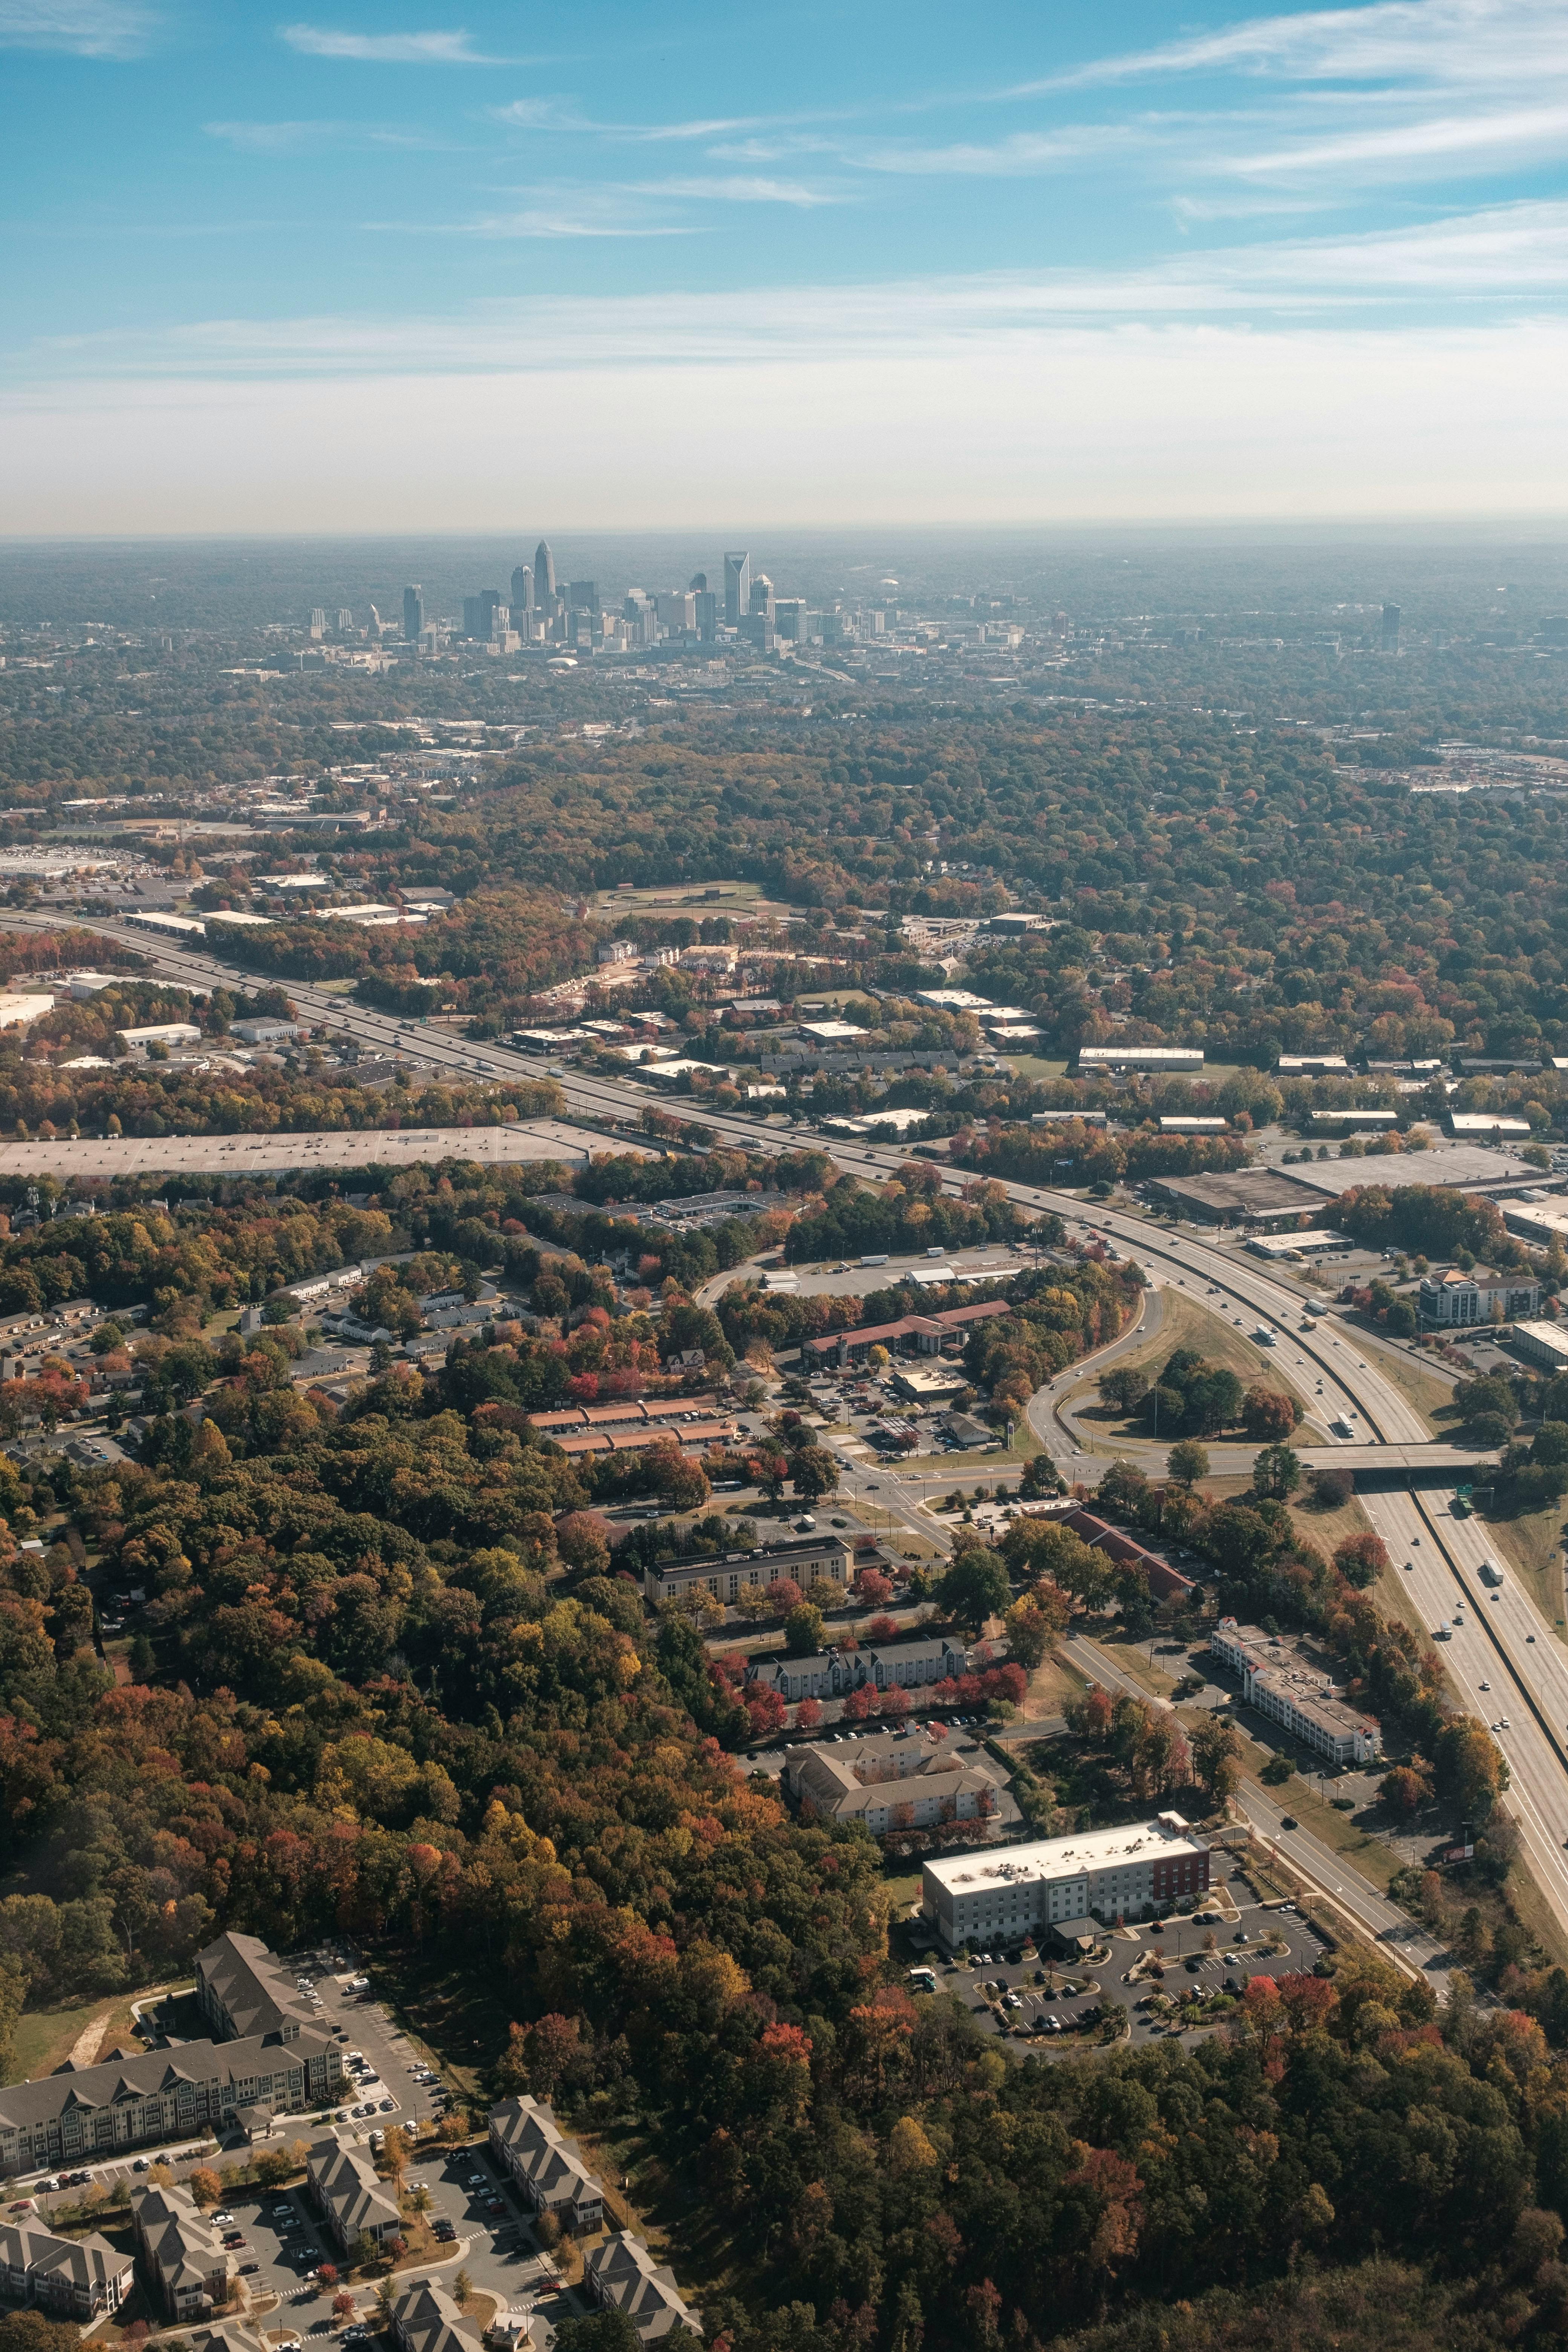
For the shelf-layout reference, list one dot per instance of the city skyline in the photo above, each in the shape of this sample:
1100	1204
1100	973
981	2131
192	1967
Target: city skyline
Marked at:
1293	263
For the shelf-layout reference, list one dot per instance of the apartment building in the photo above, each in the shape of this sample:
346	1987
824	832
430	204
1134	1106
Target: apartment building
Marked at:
354	2200
187	2267
833	1674
424	2318
889	1784
547	2167
622	2275
1012	1890
1284	1680
726	1574
243	1989
81	2114
72	2278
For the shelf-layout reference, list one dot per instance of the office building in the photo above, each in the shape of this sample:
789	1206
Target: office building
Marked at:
543	576
1003	1893
582	596
677	610
1391	628
346	621
522	593
737	586
481	613
724	1573
413	614
319	620
705	614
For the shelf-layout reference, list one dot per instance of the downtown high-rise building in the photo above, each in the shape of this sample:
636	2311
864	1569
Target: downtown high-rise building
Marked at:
413	614
522	591
543	575
1391	619
737	586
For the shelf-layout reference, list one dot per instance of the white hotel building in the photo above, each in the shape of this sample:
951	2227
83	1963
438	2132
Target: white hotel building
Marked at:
1000	1893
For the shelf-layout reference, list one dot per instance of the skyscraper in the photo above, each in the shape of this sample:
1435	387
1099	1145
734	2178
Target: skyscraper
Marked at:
522	592
1391	628
413	614
737	586
345	620
760	601
319	620
543	575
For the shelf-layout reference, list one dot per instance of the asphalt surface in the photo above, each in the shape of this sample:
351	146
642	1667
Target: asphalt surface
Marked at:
1382	1921
1076	1996
1351	1365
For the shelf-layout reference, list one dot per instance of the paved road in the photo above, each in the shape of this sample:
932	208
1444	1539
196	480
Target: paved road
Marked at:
1346	1369
1370	1909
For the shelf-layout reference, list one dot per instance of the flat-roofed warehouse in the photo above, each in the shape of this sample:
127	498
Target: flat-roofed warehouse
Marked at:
1232	1196
1469	1167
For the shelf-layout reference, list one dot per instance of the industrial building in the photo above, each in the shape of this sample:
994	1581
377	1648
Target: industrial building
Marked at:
1545	1344
1164	1059
1003	1893
1232	1196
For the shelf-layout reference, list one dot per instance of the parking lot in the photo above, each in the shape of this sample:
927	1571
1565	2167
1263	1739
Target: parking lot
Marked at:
390	2087
1016	1999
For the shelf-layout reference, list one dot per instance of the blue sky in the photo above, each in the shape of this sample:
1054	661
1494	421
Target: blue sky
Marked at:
910	261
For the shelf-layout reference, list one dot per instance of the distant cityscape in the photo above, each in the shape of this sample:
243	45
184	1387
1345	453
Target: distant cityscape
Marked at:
571	617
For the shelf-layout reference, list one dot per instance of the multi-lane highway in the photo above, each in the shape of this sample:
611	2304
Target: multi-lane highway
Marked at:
1342	1375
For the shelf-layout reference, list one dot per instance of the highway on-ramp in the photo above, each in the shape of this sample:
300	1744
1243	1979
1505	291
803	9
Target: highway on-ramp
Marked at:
1338	1371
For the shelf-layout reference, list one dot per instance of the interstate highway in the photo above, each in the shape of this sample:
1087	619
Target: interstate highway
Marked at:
1531	1684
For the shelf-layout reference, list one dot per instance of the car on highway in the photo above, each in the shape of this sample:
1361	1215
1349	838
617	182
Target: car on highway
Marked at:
1289	1822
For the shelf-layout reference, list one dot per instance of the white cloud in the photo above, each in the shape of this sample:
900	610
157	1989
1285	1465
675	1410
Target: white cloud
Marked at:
453	48
1436	145
1511	254
1079	423
737	189
1464	43
85	28
289	138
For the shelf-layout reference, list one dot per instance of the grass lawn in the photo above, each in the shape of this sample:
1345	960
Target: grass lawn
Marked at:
1183	1323
46	2037
450	2015
1426	1390
1531	1544
1052	1685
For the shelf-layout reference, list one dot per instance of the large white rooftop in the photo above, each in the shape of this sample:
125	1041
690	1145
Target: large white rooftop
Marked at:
1064	1857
